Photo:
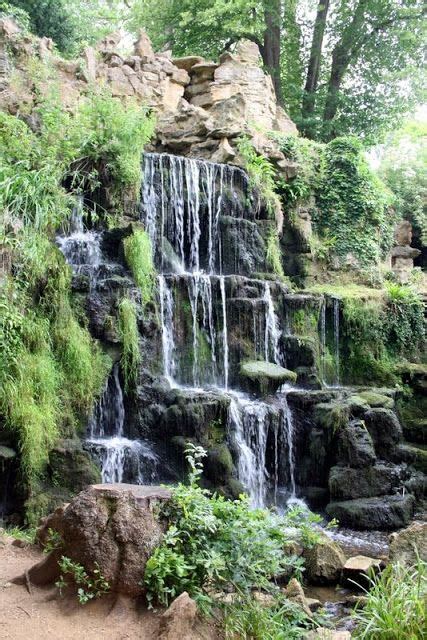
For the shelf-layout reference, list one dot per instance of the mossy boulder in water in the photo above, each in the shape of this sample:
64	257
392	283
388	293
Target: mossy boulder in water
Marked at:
265	377
346	483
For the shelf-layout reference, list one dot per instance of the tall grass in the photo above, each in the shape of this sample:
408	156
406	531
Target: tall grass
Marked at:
139	257
129	335
396	605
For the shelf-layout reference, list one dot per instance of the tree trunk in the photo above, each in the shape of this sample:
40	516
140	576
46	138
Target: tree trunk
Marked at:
344	53
313	70
271	49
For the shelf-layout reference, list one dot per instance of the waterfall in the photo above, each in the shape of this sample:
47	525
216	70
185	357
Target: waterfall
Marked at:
323	339
272	332
168	342
337	339
188	196
117	455
200	293
249	425
224	331
288	431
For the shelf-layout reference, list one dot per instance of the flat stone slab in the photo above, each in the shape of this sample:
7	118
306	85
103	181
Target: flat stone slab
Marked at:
258	369
137	490
361	564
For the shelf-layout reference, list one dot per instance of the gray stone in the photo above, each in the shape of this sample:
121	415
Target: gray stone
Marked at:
265	377
355	445
324	562
385	512
346	483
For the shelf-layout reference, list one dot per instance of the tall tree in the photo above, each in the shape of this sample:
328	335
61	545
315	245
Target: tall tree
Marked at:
313	69
271	48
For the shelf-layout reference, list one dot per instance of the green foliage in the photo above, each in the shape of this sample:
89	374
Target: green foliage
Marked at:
139	257
129	335
213	544
26	535
89	586
53	541
110	137
353	205
403	168
69	24
249	619
261	174
395	605
378	331
274	255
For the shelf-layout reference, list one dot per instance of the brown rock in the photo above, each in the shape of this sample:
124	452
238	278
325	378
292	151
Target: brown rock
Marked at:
409	544
295	593
178	621
180	76
143	47
403	233
113	526
187	62
358	568
324	562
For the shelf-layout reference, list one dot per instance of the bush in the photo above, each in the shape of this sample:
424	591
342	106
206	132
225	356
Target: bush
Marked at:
262	177
214	544
395	607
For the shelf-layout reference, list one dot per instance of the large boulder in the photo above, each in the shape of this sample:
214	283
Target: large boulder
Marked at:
355	445
409	544
324	562
384	427
113	528
385	512
346	483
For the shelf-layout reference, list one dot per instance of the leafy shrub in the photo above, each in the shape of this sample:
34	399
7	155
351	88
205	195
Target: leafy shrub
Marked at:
88	586
353	204
213	544
262	177
139	257
247	618
129	335
395	607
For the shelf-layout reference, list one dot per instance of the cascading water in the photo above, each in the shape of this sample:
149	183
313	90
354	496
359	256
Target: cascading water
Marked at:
323	338
183	203
337	339
119	457
272	331
249	427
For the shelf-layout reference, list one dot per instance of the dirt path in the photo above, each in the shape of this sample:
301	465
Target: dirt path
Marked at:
42	615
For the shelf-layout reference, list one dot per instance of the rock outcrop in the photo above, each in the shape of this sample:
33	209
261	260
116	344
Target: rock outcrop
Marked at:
410	544
113	528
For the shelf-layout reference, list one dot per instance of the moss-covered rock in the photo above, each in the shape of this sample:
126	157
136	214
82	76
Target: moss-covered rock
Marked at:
346	483
332	415
384	427
417	456
71	467
355	445
384	512
375	400
265	377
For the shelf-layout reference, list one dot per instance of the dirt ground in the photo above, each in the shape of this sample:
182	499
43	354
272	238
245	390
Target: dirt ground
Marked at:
43	615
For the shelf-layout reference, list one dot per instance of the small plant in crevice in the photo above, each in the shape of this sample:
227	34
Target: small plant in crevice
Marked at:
89	586
139	257
262	176
214	545
129	336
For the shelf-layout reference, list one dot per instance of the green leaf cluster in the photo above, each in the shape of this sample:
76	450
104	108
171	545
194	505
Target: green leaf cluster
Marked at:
129	335
139	257
89	586
215	544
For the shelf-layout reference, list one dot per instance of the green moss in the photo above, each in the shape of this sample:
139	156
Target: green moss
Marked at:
129	335
139	257
377	399
332	415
